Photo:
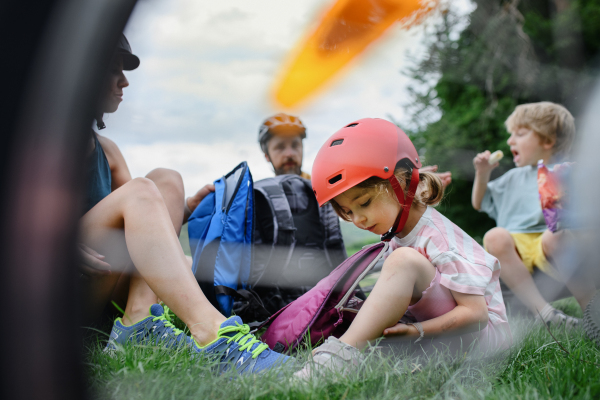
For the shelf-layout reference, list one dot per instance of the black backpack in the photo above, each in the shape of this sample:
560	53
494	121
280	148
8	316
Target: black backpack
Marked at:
296	244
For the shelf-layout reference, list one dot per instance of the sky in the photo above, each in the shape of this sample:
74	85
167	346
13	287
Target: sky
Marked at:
207	69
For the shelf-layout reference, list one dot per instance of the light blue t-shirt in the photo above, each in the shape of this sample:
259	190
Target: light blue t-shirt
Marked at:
513	201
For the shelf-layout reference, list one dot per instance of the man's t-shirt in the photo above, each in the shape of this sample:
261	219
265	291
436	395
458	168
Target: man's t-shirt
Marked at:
513	201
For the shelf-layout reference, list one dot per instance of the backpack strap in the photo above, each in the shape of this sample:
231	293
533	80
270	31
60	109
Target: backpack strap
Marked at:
283	222
334	248
330	221
334	241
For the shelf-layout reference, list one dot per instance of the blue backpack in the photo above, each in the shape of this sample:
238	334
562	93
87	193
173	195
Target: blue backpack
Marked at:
220	231
258	247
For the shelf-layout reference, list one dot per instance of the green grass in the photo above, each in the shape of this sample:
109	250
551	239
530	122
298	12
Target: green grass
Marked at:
184	239
534	368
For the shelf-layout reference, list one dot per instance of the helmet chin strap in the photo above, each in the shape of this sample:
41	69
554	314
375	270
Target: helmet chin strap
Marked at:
405	203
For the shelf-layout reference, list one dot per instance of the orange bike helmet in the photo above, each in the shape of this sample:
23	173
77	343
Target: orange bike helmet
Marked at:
363	149
280	125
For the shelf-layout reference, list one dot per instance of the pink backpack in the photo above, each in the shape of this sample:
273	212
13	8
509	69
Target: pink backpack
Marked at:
324	310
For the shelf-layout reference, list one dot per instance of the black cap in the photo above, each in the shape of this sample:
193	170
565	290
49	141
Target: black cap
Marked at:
130	60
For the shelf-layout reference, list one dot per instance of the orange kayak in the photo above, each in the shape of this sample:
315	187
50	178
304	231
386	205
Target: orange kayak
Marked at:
344	31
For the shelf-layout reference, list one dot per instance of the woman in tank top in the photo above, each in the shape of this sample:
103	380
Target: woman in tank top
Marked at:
130	250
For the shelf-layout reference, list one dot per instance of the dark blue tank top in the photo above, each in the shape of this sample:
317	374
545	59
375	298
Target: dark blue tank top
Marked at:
98	176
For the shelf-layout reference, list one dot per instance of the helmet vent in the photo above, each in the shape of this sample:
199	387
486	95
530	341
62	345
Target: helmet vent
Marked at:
352	125
335	179
337	142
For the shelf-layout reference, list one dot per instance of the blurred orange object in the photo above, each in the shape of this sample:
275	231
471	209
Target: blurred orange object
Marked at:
343	32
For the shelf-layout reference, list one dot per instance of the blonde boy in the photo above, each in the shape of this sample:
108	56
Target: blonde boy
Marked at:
521	240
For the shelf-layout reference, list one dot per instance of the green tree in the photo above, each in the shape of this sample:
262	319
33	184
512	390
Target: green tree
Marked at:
508	53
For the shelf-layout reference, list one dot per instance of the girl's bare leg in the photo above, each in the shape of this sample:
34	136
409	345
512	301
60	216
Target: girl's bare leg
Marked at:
138	212
405	275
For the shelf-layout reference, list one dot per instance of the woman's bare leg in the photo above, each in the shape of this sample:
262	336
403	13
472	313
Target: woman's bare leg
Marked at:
405	275
140	296
170	185
97	290
138	209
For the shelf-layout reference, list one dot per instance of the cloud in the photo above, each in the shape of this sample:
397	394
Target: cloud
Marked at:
198	163
203	85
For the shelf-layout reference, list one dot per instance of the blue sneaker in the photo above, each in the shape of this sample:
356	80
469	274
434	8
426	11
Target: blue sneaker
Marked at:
235	347
155	329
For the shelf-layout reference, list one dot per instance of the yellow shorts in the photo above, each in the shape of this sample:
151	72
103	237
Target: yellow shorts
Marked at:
529	247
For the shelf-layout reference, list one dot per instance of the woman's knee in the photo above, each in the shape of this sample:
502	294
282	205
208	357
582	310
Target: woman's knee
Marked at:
143	190
168	181
498	240
168	176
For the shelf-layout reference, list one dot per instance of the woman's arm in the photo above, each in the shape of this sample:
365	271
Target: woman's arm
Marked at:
470	315
119	171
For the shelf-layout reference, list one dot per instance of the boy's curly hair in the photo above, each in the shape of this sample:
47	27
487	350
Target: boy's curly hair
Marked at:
430	190
550	121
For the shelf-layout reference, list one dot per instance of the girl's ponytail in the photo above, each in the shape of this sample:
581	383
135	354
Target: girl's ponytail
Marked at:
430	190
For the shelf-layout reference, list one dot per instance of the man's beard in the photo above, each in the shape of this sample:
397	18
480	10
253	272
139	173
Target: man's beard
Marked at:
288	169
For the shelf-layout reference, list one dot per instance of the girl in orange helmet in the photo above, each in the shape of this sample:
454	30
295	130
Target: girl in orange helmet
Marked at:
436	279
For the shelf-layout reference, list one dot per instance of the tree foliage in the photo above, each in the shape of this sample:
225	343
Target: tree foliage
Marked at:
508	53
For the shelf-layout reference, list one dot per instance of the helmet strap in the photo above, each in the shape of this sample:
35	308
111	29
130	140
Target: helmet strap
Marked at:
405	203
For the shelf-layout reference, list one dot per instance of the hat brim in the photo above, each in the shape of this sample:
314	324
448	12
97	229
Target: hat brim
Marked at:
130	61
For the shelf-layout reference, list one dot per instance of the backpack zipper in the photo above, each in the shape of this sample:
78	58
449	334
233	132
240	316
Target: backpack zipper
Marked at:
350	291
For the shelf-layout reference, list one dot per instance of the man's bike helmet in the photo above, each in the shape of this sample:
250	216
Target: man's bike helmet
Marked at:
363	149
280	125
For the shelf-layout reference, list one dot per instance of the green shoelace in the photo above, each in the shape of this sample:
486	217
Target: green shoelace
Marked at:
166	318
244	338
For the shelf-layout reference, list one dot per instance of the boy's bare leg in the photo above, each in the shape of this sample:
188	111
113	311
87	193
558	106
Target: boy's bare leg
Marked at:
405	275
513	272
140	296
578	283
138	210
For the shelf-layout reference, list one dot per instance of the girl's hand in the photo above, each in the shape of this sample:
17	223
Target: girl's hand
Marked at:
401	330
481	162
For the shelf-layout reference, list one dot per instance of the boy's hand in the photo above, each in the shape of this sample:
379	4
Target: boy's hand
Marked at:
481	162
